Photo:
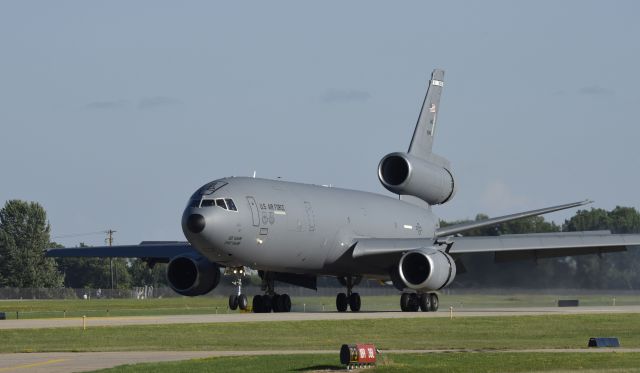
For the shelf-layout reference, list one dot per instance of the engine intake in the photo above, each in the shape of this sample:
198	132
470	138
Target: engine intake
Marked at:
402	173
192	275
426	269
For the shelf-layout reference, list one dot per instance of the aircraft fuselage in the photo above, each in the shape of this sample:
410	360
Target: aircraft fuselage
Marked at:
294	227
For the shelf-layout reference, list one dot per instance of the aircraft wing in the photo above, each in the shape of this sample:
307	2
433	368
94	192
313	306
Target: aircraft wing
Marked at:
507	247
156	251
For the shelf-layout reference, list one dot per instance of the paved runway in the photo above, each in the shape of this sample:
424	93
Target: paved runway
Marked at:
87	361
298	316
62	362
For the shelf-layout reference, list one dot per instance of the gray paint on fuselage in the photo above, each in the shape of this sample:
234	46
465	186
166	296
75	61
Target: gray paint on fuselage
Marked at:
302	227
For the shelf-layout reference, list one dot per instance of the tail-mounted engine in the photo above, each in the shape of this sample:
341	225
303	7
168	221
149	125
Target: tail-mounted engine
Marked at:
426	269
402	173
192	275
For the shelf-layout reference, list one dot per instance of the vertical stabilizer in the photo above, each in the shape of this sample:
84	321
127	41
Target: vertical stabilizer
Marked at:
422	140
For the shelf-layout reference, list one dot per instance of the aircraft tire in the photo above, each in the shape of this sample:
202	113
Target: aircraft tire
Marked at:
267	301
257	304
425	302
433	297
404	302
243	302
233	302
342	302
414	302
354	302
286	303
277	303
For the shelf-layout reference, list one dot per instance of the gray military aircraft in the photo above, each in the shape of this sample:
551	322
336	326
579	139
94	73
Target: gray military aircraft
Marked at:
293	233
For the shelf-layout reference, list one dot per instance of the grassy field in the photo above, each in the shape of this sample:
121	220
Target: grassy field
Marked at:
486	333
452	362
210	305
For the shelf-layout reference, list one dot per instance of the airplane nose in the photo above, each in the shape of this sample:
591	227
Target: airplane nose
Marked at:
195	223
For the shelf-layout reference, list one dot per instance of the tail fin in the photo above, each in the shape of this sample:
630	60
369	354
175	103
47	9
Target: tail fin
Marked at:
422	140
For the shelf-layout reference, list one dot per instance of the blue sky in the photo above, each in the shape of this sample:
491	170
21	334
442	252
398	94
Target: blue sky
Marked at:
113	113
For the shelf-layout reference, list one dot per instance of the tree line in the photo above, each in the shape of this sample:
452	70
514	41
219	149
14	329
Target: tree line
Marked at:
25	234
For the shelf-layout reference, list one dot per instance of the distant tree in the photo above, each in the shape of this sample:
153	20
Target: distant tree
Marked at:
615	270
142	275
94	273
24	235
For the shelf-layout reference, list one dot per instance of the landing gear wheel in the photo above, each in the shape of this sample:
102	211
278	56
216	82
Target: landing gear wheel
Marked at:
277	303
342	302
258	304
414	302
354	302
267	301
286	303
425	302
243	302
434	302
404	302
233	302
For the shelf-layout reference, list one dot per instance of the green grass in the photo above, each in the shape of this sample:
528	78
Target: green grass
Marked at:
519	332
440	362
218	304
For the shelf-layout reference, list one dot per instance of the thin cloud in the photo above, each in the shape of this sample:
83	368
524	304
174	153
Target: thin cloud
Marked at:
340	95
498	196
107	105
595	90
148	103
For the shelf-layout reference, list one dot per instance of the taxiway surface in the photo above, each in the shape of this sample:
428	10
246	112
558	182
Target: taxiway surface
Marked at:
303	316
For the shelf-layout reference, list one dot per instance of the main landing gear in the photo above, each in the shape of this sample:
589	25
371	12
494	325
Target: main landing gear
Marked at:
238	300
350	299
270	301
425	302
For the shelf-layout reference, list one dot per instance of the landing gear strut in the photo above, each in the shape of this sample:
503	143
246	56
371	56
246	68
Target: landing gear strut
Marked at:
350	299
425	302
270	301
237	300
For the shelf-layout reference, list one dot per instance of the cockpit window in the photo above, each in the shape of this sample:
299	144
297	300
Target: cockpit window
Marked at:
225	203
208	202
232	206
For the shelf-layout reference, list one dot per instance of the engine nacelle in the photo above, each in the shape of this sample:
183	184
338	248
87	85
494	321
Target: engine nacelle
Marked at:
192	275
402	173
426	269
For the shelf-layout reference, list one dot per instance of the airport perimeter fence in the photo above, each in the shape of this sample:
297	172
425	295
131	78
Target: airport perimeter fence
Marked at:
148	292
223	290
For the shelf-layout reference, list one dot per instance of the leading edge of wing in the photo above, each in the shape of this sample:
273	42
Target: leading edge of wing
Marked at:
458	228
507	246
161	251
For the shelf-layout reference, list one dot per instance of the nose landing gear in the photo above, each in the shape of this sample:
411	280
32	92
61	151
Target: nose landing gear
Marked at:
237	300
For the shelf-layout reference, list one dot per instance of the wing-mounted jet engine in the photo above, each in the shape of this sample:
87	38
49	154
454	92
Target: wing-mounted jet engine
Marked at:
192	275
426	269
405	174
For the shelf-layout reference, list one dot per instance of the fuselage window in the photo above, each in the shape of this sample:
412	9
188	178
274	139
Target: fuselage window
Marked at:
232	206
220	202
208	202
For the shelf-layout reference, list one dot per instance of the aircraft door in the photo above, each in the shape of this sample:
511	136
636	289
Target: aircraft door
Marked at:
255	214
310	216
